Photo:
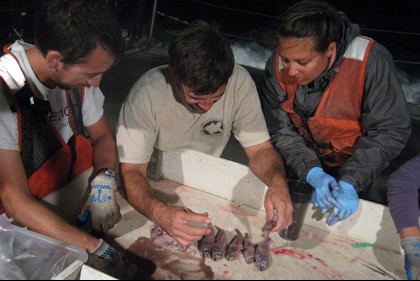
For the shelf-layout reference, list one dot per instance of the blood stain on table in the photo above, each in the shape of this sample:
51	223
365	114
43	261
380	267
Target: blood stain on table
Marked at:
172	265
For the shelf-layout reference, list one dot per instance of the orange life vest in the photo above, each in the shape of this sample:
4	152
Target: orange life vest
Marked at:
48	160
335	127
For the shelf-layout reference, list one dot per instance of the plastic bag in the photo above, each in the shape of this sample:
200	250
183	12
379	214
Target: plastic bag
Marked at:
26	261
9	270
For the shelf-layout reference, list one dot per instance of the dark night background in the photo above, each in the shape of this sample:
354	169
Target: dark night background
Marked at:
394	24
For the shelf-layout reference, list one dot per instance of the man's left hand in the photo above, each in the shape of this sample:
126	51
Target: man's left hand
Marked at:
102	203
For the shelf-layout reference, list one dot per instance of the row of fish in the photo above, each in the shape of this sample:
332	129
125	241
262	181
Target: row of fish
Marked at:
216	246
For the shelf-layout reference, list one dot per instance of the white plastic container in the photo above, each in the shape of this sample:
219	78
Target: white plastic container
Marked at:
37	256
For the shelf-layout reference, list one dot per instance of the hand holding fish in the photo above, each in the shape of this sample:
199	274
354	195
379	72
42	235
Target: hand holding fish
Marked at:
178	223
278	205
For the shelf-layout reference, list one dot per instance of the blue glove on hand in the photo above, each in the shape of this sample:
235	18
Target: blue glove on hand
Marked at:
322	182
411	247
347	197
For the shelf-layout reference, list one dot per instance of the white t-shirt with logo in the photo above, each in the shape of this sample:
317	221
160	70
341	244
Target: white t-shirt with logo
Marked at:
151	118
11	72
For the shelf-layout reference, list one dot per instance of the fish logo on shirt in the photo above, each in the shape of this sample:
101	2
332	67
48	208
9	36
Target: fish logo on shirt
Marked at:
214	127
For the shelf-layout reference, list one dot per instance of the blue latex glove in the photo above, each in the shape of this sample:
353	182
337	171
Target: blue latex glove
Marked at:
411	247
347	197
322	183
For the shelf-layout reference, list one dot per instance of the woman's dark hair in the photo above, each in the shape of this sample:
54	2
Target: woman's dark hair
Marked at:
201	57
314	19
75	27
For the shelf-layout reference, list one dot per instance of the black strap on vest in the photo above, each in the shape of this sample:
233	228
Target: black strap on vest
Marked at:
38	139
75	103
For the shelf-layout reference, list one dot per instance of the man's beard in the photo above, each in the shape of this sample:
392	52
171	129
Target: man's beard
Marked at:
64	87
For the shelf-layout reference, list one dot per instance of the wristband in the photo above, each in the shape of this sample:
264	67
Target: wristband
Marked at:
107	171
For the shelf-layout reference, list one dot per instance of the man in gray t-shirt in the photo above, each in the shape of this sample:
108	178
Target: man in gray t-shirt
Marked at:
196	102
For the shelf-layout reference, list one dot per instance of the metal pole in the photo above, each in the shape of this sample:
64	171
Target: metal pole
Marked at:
152	22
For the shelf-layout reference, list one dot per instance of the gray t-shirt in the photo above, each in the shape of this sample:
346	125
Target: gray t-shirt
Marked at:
151	118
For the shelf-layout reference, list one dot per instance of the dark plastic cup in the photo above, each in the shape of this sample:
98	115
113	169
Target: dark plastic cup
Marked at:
300	193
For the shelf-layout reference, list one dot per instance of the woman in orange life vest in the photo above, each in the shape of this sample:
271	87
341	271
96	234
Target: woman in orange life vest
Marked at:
333	105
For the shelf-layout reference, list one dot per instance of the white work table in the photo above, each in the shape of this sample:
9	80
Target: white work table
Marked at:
365	246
